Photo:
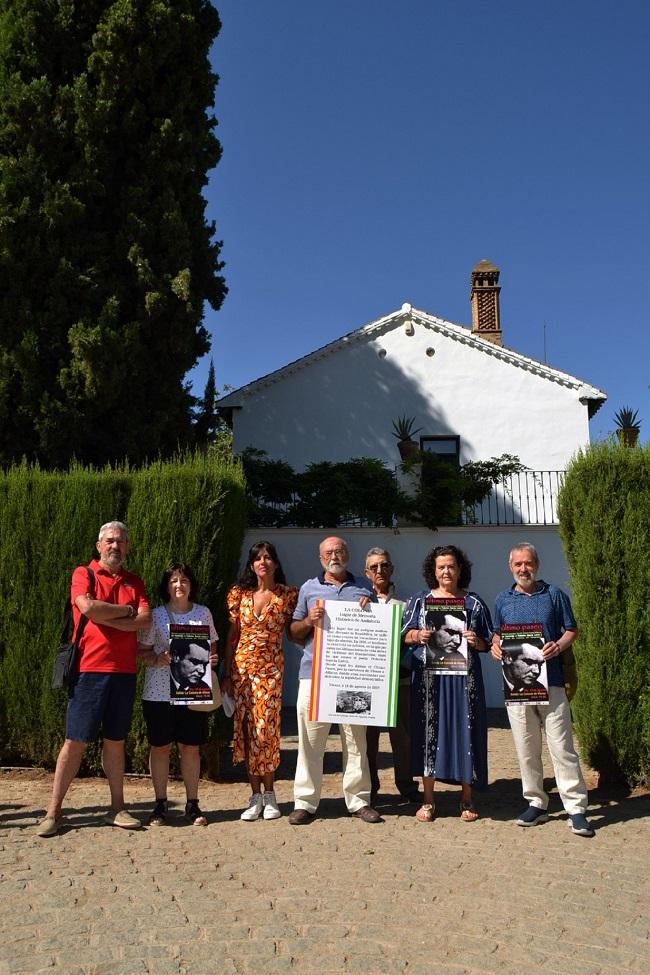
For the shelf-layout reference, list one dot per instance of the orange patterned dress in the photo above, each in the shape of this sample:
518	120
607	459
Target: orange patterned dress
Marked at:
257	675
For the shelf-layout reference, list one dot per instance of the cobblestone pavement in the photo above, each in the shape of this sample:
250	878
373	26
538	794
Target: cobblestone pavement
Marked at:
338	896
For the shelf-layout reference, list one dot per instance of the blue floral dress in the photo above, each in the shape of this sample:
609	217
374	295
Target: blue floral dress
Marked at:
448	715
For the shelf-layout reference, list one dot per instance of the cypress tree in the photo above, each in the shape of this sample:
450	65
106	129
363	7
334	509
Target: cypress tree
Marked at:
207	420
604	510
106	257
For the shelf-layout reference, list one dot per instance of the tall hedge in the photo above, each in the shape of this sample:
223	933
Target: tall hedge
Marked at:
604	510
190	508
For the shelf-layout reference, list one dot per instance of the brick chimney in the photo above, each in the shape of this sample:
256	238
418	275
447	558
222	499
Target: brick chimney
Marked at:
484	296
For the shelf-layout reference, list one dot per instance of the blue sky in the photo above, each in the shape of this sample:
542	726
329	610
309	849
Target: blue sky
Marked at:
374	151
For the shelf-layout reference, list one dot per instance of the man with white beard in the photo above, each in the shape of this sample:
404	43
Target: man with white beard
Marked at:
334	582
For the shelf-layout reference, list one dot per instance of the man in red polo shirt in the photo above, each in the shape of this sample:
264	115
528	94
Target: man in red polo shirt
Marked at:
102	694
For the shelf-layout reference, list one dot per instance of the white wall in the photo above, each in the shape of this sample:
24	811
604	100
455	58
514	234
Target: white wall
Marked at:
487	548
341	405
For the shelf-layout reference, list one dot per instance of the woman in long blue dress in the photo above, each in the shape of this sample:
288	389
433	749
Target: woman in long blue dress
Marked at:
449	719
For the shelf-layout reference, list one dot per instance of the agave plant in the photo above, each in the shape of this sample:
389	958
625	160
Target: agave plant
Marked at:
627	419
403	428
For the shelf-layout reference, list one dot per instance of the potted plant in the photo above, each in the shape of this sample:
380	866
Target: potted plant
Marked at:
628	426
403	430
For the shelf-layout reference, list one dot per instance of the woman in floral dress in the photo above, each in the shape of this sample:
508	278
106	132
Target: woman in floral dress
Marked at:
260	606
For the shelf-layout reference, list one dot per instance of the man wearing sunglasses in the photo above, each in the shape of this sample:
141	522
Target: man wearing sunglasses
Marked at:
379	570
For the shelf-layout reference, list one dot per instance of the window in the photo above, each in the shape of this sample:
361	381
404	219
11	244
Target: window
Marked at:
445	448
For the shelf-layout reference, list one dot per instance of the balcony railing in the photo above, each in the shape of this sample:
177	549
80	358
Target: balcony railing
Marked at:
527	498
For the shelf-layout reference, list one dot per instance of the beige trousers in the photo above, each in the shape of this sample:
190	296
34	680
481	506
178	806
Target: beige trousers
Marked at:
312	740
527	722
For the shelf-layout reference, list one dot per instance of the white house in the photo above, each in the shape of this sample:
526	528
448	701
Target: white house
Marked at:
470	395
473	399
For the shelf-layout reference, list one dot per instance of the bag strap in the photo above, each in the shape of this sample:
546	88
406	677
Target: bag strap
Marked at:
81	625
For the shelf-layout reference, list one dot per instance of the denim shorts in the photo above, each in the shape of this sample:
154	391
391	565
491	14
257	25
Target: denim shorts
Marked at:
167	723
100	702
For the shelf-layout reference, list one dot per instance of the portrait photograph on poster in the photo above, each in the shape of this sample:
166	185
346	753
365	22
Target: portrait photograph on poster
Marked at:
190	675
525	680
446	650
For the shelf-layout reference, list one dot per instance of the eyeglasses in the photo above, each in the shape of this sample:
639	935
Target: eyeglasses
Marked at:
379	565
334	551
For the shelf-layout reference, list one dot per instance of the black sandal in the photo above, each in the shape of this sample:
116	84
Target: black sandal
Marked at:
194	814
159	815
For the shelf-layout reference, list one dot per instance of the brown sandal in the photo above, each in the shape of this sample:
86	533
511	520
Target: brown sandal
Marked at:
426	813
468	813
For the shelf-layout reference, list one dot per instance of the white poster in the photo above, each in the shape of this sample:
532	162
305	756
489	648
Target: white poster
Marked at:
356	664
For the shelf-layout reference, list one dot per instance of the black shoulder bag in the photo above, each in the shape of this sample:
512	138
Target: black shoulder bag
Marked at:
65	661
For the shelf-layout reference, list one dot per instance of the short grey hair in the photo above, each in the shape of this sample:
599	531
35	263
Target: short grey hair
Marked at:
345	544
113	524
377	551
529	547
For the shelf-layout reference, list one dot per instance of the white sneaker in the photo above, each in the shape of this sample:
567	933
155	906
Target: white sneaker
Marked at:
271	810
254	808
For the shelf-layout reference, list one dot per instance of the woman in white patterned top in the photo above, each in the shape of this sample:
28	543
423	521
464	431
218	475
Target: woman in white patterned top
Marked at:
167	723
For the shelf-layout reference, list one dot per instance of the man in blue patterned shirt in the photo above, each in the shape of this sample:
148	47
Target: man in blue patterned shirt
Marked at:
335	583
530	600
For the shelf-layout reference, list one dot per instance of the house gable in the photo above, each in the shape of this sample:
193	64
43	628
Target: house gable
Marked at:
339	401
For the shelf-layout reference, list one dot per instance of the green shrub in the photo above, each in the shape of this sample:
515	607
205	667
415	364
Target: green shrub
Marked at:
325	493
333	493
447	492
363	490
191	508
604	510
270	487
